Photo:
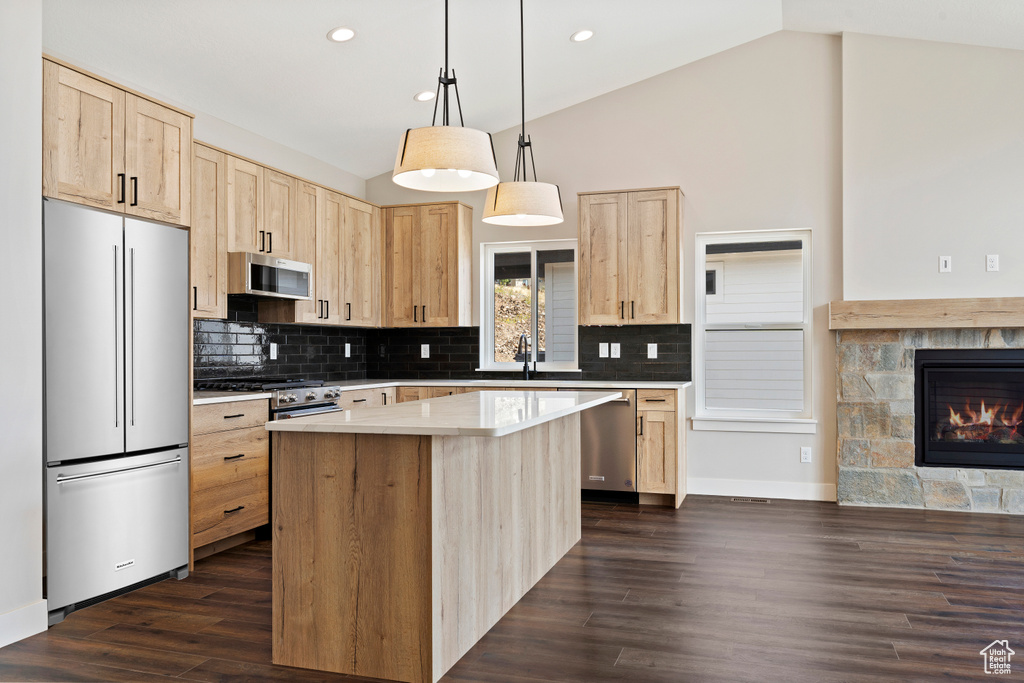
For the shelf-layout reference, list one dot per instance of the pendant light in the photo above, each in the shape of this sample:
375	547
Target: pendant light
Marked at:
445	158
523	202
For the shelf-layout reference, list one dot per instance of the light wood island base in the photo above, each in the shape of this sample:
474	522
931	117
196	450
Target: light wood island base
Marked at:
394	554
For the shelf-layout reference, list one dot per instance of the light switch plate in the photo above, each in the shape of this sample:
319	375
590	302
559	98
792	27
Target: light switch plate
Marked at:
348	350
602	350
945	264
615	350
273	351
424	350
652	350
992	263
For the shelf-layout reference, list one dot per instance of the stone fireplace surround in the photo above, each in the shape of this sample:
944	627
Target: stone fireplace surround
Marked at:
875	413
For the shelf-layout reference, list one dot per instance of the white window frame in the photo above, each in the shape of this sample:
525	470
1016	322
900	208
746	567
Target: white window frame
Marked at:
721	419
487	251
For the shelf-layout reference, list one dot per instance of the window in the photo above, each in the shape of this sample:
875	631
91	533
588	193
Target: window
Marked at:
753	332
528	288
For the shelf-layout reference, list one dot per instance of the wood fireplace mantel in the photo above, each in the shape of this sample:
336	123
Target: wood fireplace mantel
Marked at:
910	314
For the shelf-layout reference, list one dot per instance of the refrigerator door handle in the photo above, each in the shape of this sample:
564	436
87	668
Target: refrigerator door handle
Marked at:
96	475
132	368
117	416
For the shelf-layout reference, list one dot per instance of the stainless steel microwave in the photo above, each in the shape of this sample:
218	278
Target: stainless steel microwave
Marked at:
265	275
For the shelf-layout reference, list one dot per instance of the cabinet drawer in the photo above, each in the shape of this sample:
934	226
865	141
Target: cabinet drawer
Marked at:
362	398
656	399
211	519
216	461
219	417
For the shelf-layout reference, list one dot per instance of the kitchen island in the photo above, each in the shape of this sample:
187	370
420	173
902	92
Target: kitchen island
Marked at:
402	534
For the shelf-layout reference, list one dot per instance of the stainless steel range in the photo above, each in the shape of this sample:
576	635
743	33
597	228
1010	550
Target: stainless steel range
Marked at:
289	397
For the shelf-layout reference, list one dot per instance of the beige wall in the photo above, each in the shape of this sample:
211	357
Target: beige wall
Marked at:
753	136
933	165
22	609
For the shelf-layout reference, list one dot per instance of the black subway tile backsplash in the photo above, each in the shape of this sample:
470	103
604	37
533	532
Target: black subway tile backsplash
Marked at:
239	347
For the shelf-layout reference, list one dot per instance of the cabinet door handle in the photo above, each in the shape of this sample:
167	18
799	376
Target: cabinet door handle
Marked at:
641	425
319	308
414	319
240	507
270	242
120	177
632	310
327	308
622	310
653	400
384	396
348	316
195	298
423	314
135	191
234	457
231	417
263	241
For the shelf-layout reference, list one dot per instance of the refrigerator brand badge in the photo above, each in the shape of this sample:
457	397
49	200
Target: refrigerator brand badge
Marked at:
124	565
596	478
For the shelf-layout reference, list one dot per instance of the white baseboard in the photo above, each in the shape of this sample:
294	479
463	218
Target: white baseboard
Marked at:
791	490
23	622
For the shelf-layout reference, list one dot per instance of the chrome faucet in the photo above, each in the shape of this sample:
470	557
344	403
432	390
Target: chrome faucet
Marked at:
523	348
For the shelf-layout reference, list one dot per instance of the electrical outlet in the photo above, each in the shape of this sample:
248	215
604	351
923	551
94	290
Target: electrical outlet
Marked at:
805	454
945	264
652	350
273	351
992	263
424	350
602	350
615	351
348	350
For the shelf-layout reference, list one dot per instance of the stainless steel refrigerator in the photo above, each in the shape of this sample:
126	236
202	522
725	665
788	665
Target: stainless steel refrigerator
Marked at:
117	336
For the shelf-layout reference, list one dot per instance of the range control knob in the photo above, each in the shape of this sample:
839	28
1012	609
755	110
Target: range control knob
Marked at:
334	393
292	398
311	396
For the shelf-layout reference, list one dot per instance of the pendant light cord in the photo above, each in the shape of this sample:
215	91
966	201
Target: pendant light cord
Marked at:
524	142
443	81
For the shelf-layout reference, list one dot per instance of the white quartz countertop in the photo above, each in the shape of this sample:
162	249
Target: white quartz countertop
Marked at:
352	384
490	413
201	398
204	397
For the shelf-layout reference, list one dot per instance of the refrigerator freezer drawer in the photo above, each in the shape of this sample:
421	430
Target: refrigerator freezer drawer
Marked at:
113	523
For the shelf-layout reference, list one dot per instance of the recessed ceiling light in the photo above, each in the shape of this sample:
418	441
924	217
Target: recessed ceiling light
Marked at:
580	36
424	96
341	34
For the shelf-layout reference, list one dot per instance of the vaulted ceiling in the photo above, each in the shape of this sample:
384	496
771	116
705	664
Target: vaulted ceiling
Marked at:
267	66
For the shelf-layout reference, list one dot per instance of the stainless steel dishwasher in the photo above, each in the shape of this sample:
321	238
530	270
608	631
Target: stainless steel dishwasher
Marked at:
608	445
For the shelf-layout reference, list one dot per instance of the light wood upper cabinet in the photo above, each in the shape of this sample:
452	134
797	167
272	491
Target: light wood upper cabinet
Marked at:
330	239
428	264
604	287
83	138
360	265
114	150
209	233
157	157
245	206
279	212
309	208
630	252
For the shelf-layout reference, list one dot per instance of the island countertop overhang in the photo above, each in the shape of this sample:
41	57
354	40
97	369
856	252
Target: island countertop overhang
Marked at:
484	413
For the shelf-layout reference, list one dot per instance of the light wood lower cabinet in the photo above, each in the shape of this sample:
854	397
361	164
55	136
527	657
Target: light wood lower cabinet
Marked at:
656	451
405	394
230	458
367	398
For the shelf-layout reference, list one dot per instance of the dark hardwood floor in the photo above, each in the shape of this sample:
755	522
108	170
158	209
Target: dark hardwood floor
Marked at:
714	591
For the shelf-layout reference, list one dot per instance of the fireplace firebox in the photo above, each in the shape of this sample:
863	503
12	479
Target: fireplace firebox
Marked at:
969	408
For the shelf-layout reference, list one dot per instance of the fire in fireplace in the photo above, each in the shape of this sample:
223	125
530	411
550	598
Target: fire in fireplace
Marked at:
970	408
